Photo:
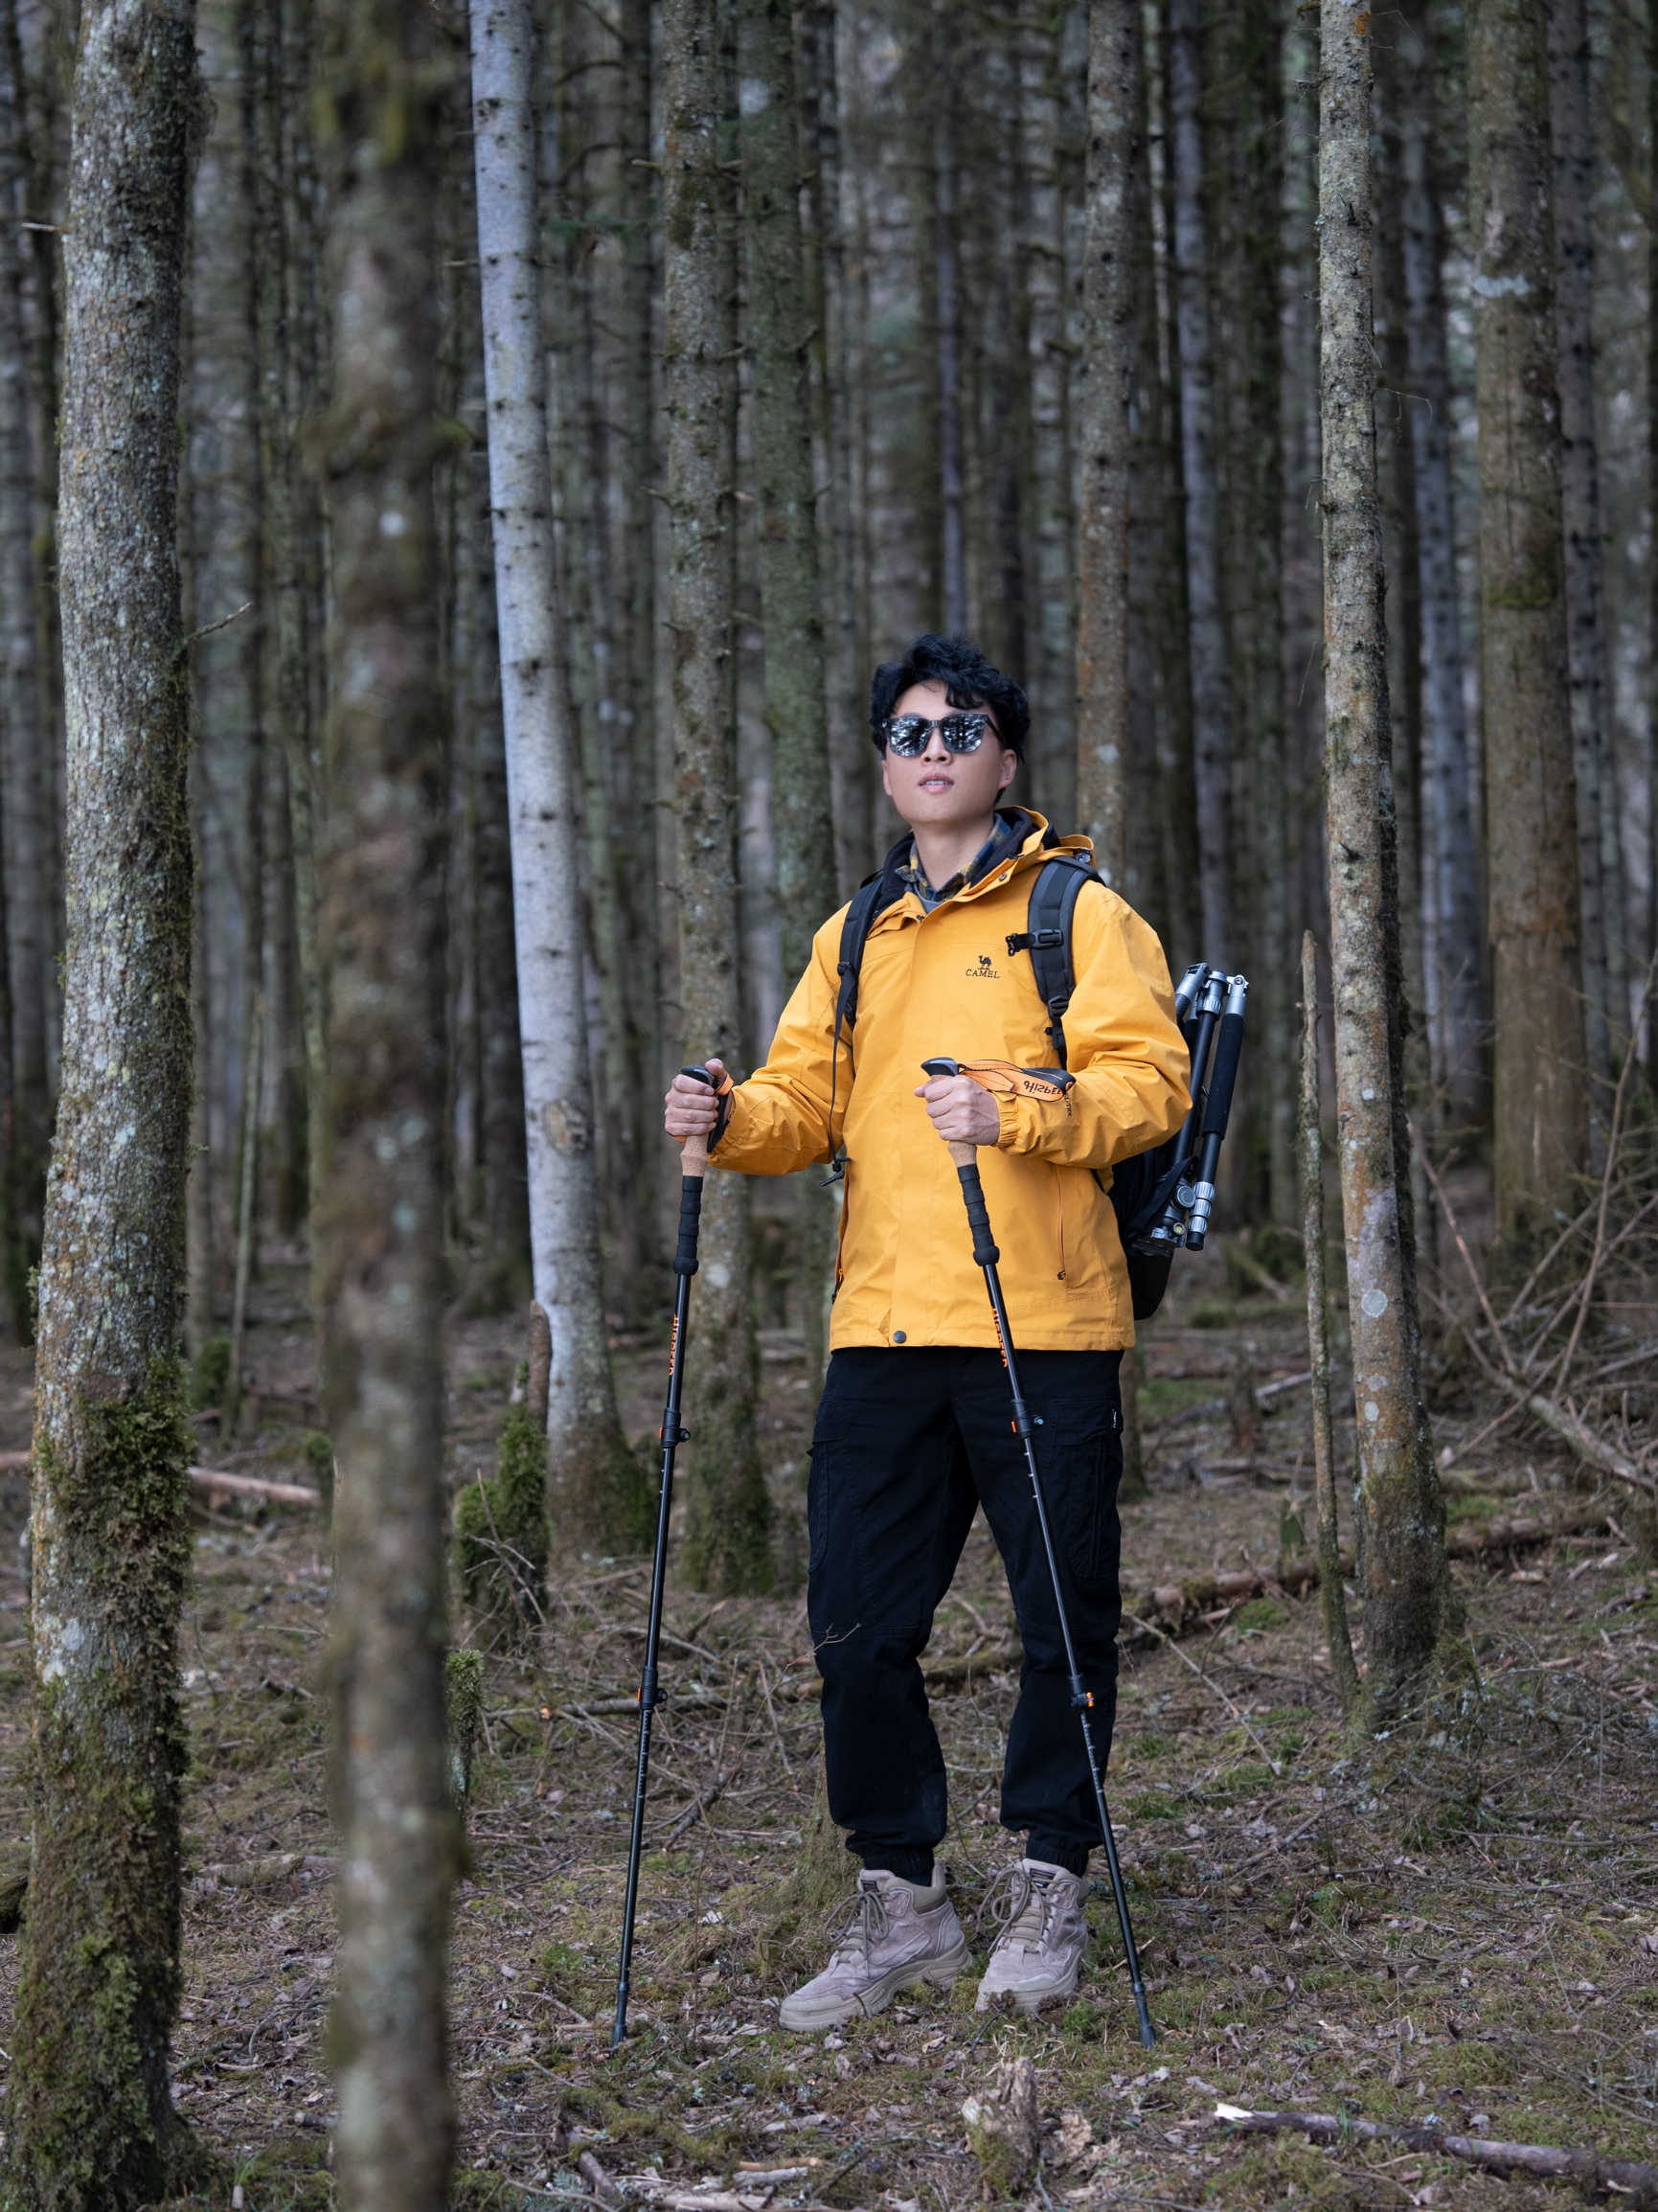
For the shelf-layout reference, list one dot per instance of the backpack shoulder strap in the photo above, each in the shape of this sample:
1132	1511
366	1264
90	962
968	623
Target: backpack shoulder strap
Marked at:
1047	938
871	899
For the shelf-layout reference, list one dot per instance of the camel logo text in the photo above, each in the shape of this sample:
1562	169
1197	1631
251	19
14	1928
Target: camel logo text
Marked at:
985	972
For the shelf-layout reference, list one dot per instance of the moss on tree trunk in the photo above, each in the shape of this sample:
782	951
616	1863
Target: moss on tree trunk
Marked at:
90	2120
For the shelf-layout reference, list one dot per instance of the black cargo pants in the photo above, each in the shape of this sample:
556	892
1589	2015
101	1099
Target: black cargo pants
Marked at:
908	1443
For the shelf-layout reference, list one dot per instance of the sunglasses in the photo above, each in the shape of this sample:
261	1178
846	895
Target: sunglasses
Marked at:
910	735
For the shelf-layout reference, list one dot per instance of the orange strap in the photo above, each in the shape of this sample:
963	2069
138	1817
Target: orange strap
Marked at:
1002	1077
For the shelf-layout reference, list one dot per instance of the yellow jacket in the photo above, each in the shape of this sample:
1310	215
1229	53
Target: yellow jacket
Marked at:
945	984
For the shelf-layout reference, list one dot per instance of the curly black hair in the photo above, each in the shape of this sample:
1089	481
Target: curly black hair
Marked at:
969	680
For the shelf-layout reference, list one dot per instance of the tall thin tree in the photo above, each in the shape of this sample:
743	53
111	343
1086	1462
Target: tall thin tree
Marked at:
23	1144
1399	1511
89	2116
1105	436
1600	874
786	539
385	112
727	1517
1206	623
598	1494
1541	1109
1452	895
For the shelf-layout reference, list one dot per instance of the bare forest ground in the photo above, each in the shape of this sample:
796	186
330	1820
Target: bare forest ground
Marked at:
1408	1934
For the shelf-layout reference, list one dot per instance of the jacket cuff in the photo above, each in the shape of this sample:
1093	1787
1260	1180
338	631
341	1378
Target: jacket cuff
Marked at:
1008	1132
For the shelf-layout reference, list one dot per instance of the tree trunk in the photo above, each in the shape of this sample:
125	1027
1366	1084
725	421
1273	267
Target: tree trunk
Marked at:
634	309
1452	957
596	1494
25	919
1541	1104
1600	874
1050	522
1400	1514
948	352
379	1213
727	1509
853	757
89	2116
1105	437
791	599
1206	625
1396	468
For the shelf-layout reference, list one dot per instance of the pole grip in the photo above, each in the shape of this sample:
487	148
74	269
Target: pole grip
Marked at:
984	1252
690	1212
1223	1078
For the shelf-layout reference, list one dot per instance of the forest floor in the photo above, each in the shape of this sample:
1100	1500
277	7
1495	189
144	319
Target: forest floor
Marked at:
1411	1932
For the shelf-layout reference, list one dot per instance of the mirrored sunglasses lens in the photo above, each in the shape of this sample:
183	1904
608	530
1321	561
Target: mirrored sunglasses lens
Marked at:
963	733
906	735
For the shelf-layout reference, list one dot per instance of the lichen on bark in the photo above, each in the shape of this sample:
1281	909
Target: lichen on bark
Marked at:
90	2120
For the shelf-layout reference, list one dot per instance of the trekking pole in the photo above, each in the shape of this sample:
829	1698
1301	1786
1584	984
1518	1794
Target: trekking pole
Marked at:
987	1254
693	1168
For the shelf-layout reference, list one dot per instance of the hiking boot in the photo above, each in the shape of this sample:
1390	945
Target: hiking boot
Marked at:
891	1935
1039	1955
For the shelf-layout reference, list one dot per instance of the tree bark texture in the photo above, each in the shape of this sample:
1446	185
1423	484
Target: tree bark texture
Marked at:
379	1214
1331	1588
851	754
1600	872
594	1483
1105	437
947	350
1400	1514
1540	1110
1452	955
786	527
1050	521
21	707
1205	612
89	2116
727	1509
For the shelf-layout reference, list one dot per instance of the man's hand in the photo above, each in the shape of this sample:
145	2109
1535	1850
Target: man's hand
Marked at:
964	1112
691	1107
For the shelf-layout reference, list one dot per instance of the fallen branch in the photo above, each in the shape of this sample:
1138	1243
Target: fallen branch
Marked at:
212	1478
217	1478
1187	1659
1170	1607
1566	1425
699	1805
1629	2177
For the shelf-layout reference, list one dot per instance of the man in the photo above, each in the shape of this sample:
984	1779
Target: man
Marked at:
913	1428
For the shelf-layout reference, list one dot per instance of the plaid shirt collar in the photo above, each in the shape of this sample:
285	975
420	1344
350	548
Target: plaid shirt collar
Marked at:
1011	826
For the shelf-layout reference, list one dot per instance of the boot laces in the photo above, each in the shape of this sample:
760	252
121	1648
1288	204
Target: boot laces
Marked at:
857	1923
1022	1904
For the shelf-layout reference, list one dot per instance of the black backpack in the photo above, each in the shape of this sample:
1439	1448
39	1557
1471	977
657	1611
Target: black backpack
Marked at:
1141	1187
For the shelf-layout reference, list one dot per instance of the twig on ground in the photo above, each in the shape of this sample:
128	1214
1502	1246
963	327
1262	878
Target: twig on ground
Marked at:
1629	2177
1186	1659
